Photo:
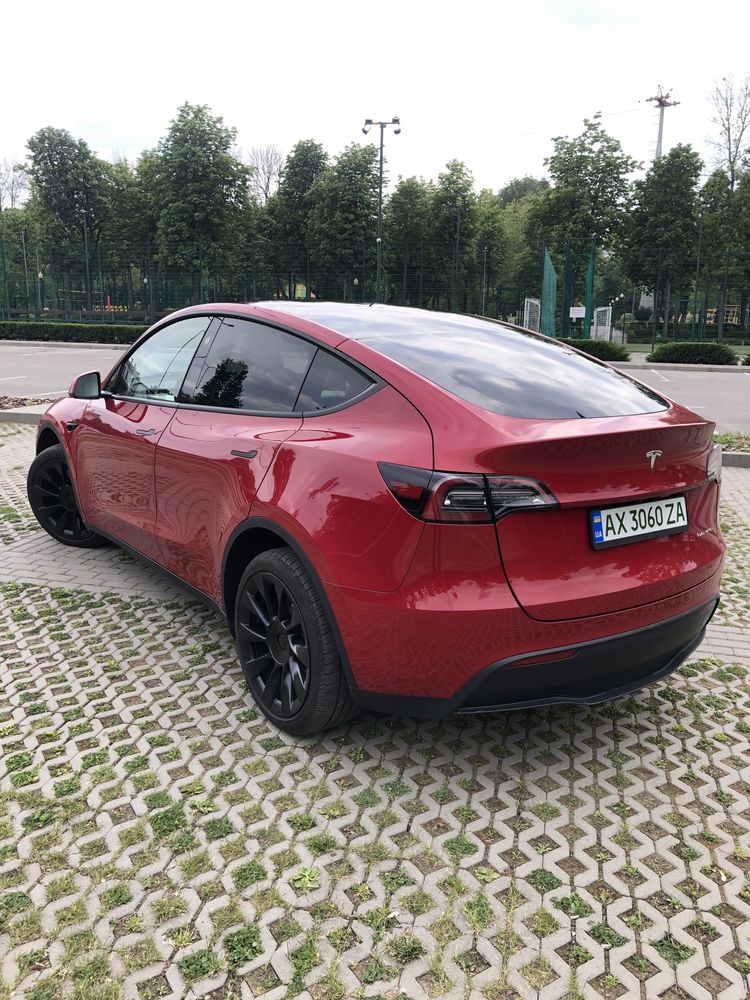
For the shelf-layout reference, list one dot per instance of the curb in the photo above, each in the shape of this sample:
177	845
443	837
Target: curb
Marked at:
736	459
19	417
65	343
661	367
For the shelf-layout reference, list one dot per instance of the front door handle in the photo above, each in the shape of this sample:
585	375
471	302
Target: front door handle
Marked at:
146	433
244	454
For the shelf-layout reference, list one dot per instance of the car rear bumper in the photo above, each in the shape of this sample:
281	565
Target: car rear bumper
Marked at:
583	673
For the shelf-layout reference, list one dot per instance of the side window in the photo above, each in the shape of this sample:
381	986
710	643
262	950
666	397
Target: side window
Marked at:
156	369
330	382
249	366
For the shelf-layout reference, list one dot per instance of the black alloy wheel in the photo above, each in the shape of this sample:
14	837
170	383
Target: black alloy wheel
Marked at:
276	650
286	646
53	500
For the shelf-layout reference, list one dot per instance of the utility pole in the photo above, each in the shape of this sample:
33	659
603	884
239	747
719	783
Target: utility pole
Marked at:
662	101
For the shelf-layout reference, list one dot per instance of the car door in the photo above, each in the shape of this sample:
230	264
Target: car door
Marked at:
237	406
115	439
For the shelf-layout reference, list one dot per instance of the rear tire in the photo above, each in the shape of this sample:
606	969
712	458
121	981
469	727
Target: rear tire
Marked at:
52	498
286	647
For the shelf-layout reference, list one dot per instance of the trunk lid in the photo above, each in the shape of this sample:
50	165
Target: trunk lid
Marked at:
553	569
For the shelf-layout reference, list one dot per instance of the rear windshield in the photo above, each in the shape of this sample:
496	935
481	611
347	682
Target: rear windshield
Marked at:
514	373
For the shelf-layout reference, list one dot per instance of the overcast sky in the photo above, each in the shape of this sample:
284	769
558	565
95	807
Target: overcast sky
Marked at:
486	82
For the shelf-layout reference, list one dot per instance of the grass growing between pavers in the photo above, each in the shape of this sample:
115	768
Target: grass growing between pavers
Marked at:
152	822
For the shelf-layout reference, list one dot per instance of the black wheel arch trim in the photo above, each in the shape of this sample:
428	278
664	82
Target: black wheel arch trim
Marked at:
48	425
266	524
163	571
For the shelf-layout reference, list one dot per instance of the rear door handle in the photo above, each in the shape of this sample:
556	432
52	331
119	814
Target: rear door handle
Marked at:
244	454
146	433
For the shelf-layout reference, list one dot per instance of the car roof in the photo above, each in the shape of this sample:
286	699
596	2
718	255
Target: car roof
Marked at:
358	321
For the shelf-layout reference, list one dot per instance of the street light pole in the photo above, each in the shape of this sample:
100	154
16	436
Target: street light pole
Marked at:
396	122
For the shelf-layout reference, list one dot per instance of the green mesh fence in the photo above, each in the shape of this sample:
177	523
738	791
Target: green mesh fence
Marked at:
549	296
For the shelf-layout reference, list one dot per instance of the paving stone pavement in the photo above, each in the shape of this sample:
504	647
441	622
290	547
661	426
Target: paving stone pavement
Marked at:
159	839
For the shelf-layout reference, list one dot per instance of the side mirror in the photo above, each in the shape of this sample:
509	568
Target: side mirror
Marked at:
88	386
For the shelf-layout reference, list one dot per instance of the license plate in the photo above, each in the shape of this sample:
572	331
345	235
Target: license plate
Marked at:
638	521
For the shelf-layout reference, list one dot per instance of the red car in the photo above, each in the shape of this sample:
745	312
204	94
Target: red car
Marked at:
411	511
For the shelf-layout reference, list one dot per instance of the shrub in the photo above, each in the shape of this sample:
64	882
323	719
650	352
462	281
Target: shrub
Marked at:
746	360
694	354
74	333
605	350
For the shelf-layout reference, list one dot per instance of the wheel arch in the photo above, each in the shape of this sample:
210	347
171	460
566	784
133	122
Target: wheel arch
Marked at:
46	438
249	539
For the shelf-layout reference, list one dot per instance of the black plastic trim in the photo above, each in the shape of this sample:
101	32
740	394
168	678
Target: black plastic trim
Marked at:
611	650
161	570
378	382
269	525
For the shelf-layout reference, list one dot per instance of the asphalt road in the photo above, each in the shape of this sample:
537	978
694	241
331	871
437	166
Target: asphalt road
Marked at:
48	371
720	396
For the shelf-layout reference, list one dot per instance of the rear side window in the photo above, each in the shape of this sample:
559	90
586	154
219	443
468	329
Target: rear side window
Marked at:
330	382
248	366
513	373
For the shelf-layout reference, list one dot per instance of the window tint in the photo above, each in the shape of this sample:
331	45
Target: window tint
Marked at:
330	382
249	366
516	374
155	370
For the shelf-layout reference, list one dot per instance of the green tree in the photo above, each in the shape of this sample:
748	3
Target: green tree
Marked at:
286	219
343	217
741	215
589	196
71	189
454	219
406	234
519	268
198	191
663	228
719	247
489	250
519	188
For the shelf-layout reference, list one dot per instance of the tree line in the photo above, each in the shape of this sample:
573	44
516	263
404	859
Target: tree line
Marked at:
192	220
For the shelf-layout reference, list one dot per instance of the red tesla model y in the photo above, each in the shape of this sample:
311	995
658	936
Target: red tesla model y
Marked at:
411	511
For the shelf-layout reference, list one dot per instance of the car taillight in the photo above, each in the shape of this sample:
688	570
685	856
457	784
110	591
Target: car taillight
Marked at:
713	464
463	499
509	493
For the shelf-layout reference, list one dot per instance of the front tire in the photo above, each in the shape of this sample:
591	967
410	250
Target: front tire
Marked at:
286	646
52	498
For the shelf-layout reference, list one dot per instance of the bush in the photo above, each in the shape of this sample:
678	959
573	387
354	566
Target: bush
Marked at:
747	360
74	333
694	354
606	350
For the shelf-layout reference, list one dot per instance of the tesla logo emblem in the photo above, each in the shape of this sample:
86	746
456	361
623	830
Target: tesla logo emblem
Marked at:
652	457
